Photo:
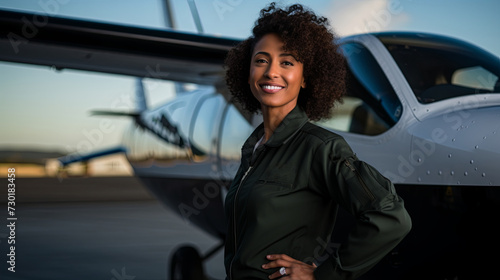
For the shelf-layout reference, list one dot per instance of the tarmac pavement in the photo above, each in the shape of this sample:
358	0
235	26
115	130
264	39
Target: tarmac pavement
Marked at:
119	239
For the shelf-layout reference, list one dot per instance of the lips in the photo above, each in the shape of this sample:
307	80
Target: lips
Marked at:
271	88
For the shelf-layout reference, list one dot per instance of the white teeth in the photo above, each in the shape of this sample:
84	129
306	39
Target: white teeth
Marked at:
271	87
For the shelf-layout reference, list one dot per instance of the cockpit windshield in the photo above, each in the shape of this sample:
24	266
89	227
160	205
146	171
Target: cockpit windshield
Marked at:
439	68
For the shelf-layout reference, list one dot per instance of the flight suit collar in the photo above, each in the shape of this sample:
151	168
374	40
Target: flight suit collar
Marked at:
290	125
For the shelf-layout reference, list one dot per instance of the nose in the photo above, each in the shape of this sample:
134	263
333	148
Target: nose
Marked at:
272	70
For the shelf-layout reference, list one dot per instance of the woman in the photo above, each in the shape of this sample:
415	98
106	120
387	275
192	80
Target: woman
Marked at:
282	204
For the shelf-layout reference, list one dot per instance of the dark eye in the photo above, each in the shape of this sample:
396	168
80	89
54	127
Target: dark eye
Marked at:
260	60
288	63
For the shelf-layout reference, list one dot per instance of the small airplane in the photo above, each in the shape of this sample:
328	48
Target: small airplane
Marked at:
423	109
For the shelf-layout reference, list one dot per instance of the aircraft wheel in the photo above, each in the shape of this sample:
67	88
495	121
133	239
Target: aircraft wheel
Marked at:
186	264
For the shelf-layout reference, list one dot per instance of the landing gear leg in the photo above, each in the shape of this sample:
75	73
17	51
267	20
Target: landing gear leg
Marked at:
187	264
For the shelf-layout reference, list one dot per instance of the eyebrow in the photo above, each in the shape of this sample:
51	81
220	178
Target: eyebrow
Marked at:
281	55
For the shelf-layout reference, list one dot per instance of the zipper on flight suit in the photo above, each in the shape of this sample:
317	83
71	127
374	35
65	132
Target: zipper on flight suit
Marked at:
253	161
234	219
360	178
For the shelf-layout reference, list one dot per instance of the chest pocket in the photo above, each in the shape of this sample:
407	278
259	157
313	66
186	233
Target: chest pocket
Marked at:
273	185
281	176
276	183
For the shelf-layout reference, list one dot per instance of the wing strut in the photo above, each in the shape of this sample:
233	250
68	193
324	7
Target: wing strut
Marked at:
196	16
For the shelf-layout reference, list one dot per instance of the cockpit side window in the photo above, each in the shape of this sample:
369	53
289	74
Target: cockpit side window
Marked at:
437	68
370	105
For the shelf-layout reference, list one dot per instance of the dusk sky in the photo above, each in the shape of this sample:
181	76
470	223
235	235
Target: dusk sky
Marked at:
45	109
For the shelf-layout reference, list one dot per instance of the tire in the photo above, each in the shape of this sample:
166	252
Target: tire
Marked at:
186	264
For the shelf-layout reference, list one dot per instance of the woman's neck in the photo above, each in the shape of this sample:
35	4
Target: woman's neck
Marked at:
273	116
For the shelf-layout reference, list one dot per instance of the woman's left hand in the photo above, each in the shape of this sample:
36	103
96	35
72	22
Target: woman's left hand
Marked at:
290	268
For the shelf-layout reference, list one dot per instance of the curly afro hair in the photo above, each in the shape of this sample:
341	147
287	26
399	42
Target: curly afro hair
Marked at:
305	34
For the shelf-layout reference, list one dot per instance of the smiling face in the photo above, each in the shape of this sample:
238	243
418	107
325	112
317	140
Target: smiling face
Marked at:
275	74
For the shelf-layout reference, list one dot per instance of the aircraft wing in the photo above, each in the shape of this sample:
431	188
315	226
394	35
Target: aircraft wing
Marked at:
110	48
